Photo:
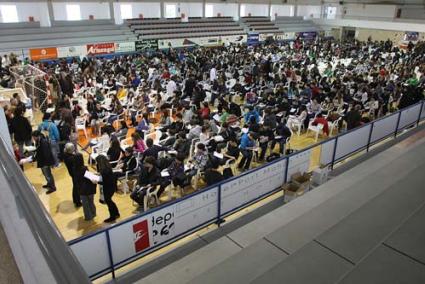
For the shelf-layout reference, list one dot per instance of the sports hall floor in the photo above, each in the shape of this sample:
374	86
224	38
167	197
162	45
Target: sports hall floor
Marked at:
70	220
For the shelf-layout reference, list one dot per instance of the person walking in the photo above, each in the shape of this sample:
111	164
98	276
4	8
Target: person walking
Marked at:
69	160
44	158
51	132
109	184
86	187
21	129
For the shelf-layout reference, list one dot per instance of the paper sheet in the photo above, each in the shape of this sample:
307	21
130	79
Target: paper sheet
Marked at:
91	176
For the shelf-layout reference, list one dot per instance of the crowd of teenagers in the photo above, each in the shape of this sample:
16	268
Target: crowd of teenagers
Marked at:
199	114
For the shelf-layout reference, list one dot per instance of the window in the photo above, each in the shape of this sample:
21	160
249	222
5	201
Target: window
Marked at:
73	12
331	13
126	11
209	10
9	13
170	11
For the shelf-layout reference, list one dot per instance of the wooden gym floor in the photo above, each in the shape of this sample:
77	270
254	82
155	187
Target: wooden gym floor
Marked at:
70	220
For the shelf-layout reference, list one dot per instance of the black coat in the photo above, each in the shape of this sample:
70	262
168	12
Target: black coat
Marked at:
69	163
109	182
21	129
43	153
84	185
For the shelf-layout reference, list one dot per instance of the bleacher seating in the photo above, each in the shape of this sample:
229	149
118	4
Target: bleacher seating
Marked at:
175	28
259	24
60	34
295	24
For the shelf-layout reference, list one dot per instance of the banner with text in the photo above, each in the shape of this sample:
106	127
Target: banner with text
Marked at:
129	46
201	41
146	44
253	39
72	51
100	48
43	53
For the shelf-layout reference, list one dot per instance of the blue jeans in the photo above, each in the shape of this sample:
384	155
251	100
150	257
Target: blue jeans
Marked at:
47	172
55	151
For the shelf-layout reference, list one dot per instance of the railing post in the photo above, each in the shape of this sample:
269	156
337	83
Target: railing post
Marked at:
398	123
370	137
334	153
219	219
286	170
108	241
420	114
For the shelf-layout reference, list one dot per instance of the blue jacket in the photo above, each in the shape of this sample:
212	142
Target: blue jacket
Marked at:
53	130
246	142
252	113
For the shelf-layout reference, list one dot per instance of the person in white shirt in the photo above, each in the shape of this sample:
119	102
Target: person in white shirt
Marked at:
171	88
213	74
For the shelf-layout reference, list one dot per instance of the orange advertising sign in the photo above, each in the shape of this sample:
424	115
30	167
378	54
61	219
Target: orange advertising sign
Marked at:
43	53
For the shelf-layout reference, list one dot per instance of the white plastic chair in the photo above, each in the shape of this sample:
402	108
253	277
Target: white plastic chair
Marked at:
334	125
317	129
80	124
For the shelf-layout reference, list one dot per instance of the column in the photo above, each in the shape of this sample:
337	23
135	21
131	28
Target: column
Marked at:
203	8
295	10
239	10
162	7
50	11
111	10
270	11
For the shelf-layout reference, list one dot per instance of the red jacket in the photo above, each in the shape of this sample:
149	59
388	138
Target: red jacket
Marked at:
322	120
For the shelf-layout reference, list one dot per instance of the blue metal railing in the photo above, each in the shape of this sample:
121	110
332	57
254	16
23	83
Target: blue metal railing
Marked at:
218	217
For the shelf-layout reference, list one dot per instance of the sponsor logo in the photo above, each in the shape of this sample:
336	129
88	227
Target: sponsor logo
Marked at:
141	236
101	48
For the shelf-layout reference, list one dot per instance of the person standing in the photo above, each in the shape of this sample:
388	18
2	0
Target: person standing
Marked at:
44	158
52	131
109	183
21	129
86	187
68	158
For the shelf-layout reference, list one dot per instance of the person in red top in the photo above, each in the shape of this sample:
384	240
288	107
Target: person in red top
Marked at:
321	120
204	112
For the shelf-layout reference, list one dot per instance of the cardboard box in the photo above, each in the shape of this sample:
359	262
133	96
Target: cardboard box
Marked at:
302	180
291	191
320	175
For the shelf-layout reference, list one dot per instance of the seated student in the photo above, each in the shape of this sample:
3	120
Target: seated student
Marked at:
182	145
175	174
195	130
266	135
170	138
143	124
205	135
114	152
122	132
149	175
321	120
251	113
127	164
204	112
178	124
212	175
138	143
199	160
152	150
353	117
282	133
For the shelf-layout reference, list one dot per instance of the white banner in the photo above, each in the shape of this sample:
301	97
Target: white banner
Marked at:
203	41
129	46
263	37
285	36
72	51
162	225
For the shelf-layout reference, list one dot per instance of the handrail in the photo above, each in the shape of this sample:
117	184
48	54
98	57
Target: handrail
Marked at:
63	264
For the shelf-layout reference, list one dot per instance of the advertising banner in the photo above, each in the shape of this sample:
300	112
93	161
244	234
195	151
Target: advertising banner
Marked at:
160	226
285	36
201	41
129	46
146	44
43	53
100	48
253	39
264	37
72	51
411	36
307	35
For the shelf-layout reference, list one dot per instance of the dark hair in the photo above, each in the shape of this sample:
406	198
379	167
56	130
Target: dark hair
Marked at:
103	165
150	160
149	142
180	157
201	146
46	116
115	143
129	150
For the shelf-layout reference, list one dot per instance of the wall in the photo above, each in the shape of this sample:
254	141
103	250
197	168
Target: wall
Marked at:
413	12
281	10
26	9
375	11
98	10
191	9
254	9
309	12
148	9
225	9
394	36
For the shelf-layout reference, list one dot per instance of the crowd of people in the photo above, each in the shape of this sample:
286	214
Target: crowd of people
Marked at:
199	114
